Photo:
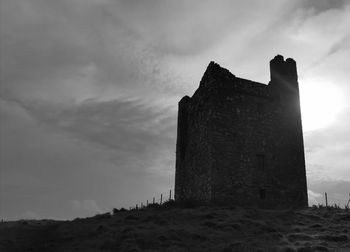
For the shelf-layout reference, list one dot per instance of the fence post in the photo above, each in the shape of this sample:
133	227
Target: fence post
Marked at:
147	202
136	207
153	200
325	194
161	198
170	195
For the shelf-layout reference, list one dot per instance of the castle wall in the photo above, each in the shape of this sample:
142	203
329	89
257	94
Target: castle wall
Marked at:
243	143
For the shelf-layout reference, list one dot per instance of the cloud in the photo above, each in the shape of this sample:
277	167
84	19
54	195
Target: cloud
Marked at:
68	51
318	6
125	126
339	45
96	149
326	39
184	28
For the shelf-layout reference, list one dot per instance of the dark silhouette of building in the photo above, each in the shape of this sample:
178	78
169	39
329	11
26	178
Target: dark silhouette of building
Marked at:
241	142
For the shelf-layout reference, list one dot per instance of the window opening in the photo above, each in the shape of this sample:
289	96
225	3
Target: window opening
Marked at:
261	161
262	193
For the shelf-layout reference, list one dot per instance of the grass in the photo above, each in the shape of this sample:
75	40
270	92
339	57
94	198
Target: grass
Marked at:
330	207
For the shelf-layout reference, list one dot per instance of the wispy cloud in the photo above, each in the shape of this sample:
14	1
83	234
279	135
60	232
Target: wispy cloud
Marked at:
319	6
117	124
108	147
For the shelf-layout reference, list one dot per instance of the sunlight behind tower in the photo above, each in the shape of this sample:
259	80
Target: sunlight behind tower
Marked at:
320	103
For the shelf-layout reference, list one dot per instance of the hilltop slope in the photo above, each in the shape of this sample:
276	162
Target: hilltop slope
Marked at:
191	229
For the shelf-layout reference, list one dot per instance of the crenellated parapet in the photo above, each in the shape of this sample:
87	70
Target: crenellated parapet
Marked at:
283	74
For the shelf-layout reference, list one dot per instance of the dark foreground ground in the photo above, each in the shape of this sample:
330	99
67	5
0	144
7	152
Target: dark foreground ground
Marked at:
186	229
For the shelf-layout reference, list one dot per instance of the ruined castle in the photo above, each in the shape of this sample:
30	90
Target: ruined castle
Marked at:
240	142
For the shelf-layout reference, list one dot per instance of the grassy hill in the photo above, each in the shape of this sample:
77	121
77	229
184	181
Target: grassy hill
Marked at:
172	228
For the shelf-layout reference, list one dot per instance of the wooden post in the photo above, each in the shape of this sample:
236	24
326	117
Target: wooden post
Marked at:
136	207
141	205
153	200
161	198
170	195
325	194
147	202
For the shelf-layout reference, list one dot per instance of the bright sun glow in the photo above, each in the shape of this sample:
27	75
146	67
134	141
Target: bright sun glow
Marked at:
320	103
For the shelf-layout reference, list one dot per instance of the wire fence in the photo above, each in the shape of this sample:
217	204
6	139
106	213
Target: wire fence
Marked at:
156	200
333	199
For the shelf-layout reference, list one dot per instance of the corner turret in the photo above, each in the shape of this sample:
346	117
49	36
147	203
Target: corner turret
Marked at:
284	77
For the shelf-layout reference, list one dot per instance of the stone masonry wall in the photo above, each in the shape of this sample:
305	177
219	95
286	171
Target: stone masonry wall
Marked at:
240	142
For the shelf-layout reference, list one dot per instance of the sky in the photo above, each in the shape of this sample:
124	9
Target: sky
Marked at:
89	92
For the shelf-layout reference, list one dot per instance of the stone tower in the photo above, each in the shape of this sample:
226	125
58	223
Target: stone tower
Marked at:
241	142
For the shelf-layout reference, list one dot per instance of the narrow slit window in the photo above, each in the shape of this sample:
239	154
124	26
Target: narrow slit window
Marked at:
261	161
262	193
